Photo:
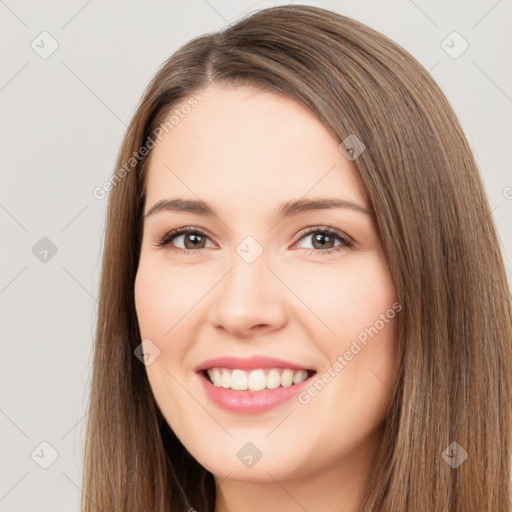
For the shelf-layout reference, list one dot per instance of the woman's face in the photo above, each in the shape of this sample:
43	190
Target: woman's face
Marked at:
261	281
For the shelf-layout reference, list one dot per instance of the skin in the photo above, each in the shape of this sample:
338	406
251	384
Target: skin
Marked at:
245	152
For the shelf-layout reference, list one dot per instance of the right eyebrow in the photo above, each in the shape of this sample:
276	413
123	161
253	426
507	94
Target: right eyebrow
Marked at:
181	205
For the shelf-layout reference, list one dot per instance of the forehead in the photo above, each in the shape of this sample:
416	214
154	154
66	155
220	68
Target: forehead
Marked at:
244	146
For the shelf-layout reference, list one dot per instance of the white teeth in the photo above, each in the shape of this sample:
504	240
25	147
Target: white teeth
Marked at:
255	380
300	376
287	378
225	380
217	377
273	379
239	380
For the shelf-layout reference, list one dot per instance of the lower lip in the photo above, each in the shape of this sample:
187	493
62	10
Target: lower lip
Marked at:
251	402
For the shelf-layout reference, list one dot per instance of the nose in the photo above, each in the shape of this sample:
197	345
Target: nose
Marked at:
249	300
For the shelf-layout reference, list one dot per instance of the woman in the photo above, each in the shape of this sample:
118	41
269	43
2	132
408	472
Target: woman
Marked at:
303	302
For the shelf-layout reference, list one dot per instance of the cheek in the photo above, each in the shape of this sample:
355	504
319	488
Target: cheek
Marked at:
358	306
347	300
162	300
161	305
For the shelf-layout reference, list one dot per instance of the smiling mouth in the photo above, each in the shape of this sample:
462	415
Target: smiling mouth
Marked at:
260	379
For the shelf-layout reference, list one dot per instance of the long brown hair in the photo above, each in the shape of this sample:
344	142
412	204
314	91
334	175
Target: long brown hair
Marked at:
454	367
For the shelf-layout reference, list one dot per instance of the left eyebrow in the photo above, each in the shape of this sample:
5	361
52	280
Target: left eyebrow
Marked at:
287	209
291	208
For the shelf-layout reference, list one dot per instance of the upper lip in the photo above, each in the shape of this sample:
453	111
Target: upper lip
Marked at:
249	363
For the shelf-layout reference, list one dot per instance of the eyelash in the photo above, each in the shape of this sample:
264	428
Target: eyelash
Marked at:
346	243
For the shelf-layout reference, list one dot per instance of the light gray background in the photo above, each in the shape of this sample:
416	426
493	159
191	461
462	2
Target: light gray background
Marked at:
62	121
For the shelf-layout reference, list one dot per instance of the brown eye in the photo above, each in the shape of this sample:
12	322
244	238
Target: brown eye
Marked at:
324	240
191	239
194	241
